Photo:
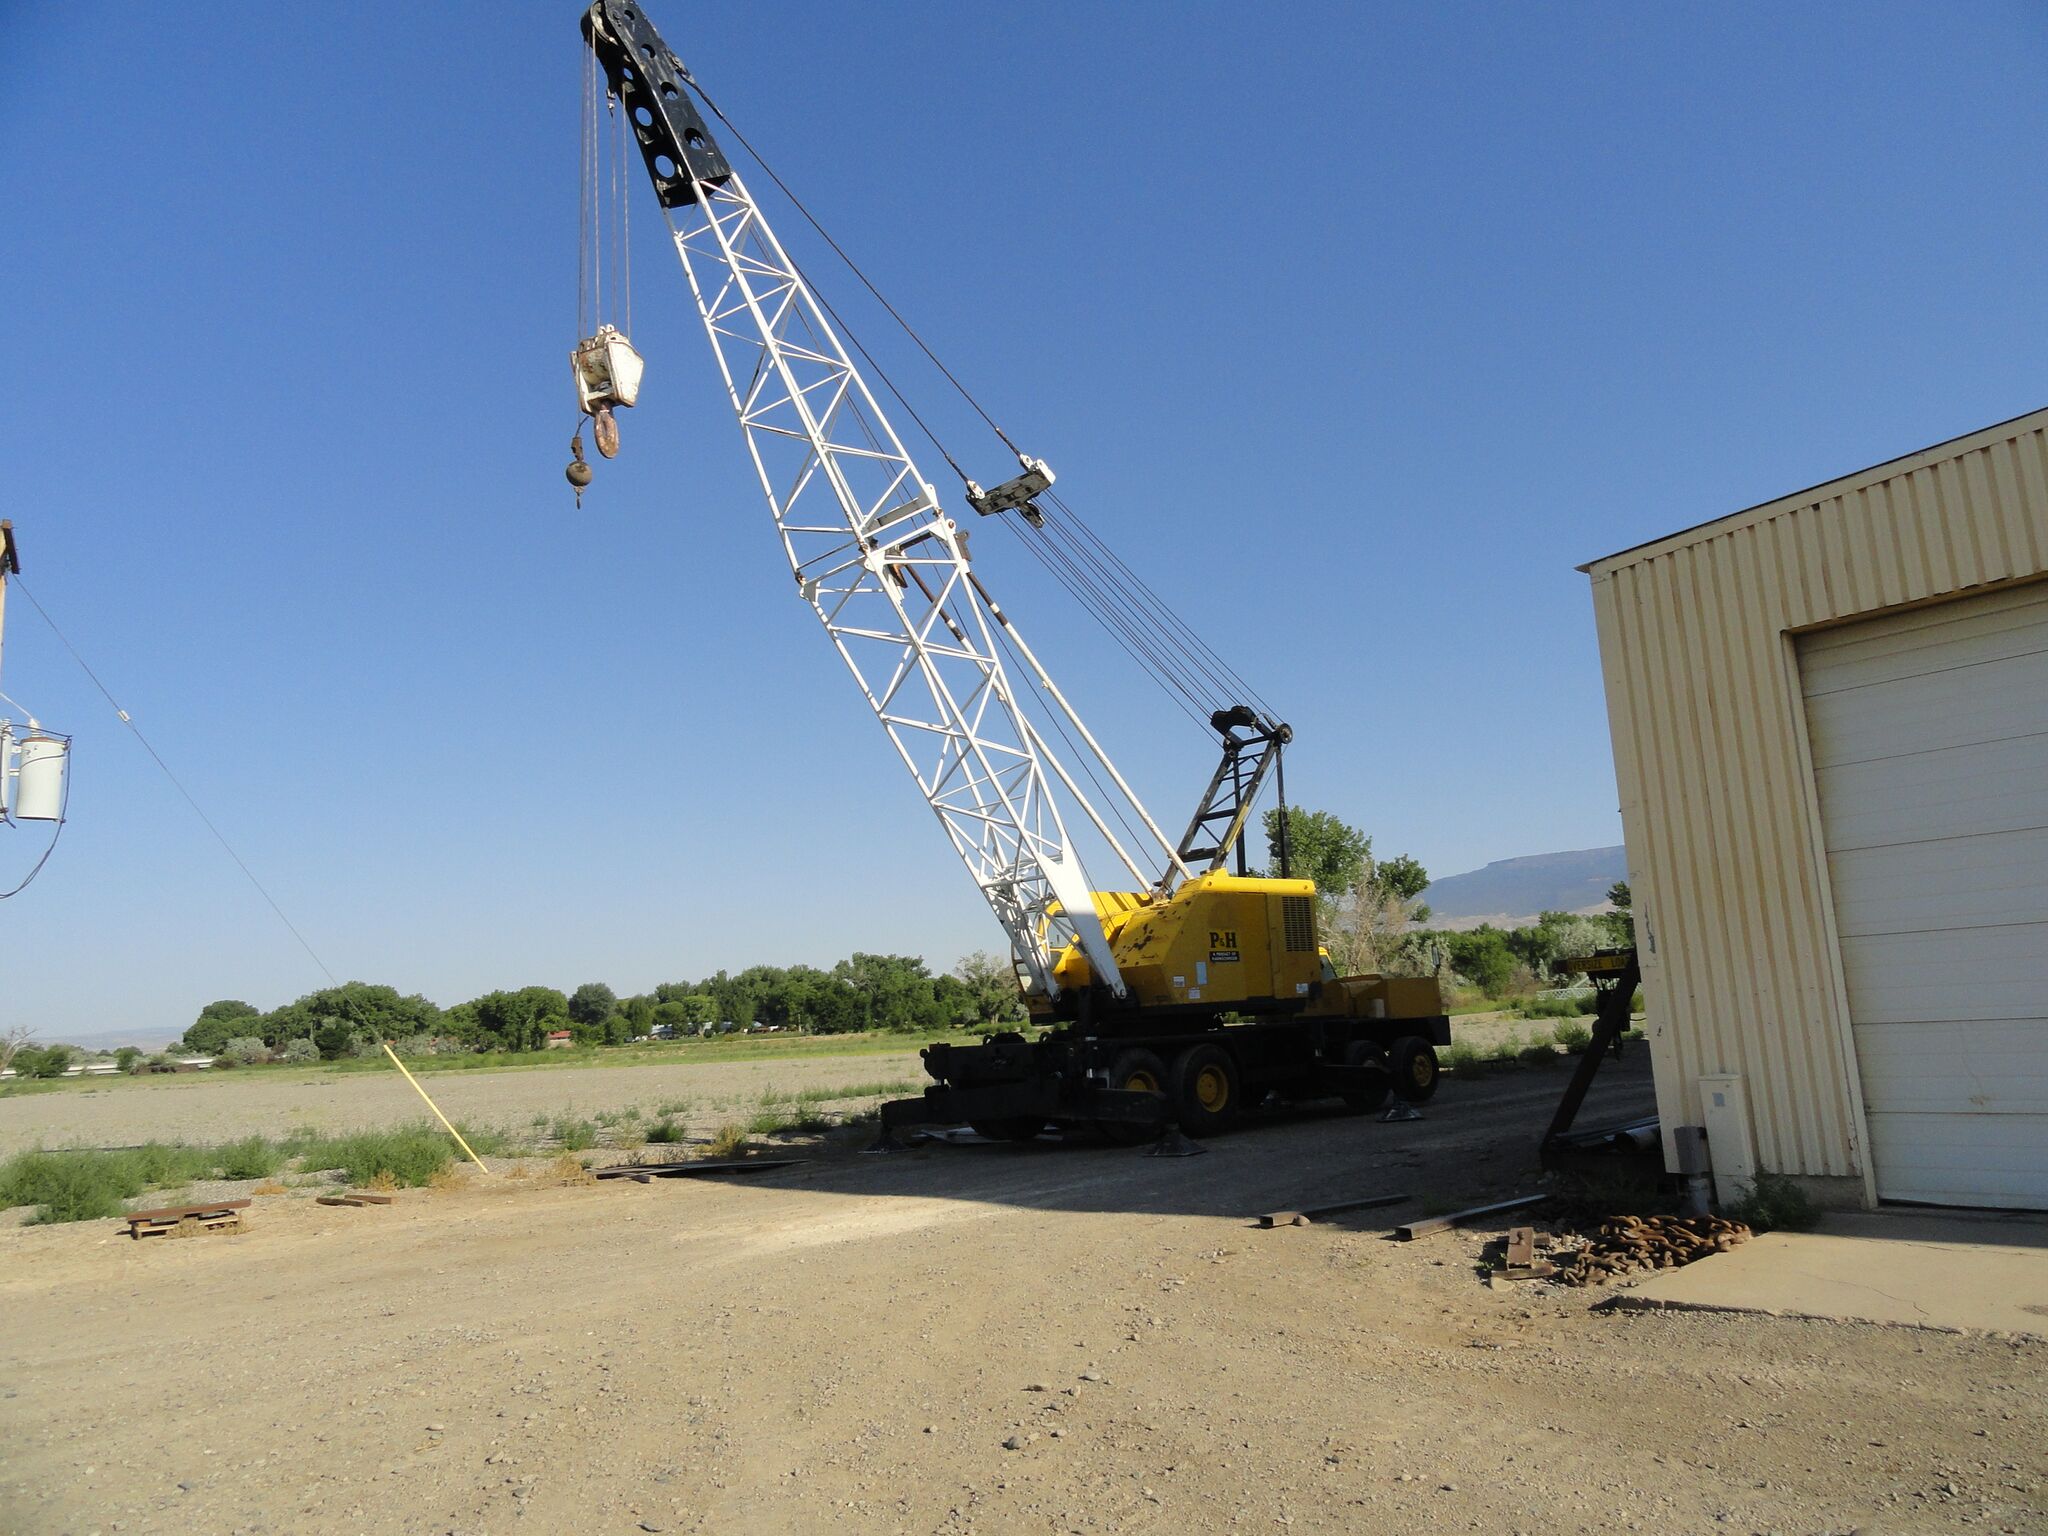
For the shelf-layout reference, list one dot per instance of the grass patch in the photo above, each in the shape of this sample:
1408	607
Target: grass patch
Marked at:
778	1122
665	1132
730	1141
1574	1037
574	1135
253	1157
408	1157
70	1186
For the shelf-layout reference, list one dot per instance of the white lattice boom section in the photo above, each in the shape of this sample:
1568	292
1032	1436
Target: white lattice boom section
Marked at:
887	573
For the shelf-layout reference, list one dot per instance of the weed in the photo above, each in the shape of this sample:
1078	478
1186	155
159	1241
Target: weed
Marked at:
1775	1203
672	1107
628	1137
569	1170
665	1132
575	1135
488	1140
1550	1008
1460	1056
778	1122
1540	1054
728	1142
409	1156
69	1186
445	1179
253	1157
1573	1036
268	1187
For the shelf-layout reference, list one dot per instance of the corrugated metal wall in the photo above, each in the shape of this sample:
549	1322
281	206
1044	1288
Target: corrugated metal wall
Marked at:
1740	964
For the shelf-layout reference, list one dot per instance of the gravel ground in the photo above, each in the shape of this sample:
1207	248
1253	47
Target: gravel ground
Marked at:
207	1107
973	1339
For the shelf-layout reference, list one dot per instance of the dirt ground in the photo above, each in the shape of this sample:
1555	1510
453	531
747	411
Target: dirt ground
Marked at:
1050	1338
208	1107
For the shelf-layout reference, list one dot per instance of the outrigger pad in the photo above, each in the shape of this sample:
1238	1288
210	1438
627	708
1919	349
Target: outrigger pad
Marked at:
1173	1142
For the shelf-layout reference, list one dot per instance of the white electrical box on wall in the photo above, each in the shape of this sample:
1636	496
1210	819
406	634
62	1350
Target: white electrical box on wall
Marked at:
1731	1146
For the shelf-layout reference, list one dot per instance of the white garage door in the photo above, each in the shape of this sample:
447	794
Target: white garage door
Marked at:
1930	748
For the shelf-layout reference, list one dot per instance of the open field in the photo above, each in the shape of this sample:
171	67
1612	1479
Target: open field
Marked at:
225	1106
859	1344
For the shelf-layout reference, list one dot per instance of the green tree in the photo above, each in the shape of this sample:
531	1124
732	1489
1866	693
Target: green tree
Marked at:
895	991
1482	957
1621	922
593	1003
1320	847
126	1057
218	1023
335	1018
522	1020
991	999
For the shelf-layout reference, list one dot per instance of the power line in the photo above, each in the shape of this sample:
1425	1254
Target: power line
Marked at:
178	784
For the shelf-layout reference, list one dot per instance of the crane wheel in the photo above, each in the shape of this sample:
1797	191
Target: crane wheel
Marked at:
1208	1090
1008	1128
1134	1071
1414	1064
1360	1053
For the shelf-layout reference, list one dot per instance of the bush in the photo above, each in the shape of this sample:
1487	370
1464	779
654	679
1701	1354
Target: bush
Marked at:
1550	1008
665	1132
243	1051
1459	1056
409	1156
163	1164
731	1139
42	1061
1573	1037
253	1157
68	1186
1775	1203
299	1052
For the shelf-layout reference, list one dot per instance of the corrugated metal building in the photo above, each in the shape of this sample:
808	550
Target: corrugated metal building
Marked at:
1830	723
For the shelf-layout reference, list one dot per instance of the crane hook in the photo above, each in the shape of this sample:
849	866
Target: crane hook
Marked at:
578	472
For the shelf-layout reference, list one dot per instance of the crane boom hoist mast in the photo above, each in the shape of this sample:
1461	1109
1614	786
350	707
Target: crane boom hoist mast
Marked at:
872	551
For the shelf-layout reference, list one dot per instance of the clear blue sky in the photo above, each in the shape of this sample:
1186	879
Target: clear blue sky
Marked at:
1355	327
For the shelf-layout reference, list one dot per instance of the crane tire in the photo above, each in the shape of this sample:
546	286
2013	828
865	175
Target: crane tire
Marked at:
1414	1063
1136	1070
1208	1089
1360	1053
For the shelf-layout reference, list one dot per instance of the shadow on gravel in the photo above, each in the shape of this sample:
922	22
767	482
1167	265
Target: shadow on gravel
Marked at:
1476	1140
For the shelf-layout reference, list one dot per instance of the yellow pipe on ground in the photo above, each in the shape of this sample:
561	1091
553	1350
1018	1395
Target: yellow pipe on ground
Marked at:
435	1108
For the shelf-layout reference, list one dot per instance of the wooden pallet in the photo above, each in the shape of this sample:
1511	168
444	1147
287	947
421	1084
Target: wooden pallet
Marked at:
353	1197
188	1220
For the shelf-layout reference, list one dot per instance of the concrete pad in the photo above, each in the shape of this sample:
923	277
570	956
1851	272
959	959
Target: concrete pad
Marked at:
1953	1271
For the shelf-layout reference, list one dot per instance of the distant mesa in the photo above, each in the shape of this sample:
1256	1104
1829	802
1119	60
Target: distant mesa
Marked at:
1512	892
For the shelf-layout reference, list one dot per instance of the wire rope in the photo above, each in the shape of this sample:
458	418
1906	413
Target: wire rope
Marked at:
1163	644
176	783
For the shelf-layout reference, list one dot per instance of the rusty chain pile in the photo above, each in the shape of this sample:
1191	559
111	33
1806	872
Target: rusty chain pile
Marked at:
1626	1244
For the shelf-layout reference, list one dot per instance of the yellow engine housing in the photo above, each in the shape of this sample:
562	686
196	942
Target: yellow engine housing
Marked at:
1222	941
